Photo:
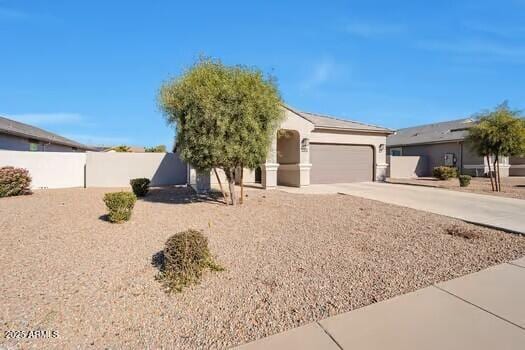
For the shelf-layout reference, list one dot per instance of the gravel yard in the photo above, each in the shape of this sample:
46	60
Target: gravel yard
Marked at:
290	259
512	187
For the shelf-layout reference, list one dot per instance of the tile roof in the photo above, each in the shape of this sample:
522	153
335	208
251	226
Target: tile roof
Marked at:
329	122
12	127
453	130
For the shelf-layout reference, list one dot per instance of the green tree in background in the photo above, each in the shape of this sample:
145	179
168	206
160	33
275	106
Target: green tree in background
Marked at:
225	116
156	149
121	148
500	132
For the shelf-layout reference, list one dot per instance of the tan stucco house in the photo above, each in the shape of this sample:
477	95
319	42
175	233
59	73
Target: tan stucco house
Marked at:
317	149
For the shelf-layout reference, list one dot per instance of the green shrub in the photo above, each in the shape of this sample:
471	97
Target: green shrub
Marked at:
156	149
120	205
140	186
464	180
14	181
444	172
186	255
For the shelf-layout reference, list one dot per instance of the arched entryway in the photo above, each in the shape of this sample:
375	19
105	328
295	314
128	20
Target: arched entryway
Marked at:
288	157
258	175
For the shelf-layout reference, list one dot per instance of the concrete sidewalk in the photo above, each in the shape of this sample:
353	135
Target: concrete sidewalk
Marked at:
483	310
498	212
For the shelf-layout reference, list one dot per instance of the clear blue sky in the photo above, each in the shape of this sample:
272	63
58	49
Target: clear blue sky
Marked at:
91	70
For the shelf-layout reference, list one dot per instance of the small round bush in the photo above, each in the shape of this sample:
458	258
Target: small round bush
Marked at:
140	186
14	181
120	205
186	255
464	180
444	172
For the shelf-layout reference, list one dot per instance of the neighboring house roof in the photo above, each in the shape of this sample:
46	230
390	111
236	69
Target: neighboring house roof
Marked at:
329	122
132	149
12	127
137	149
454	130
100	148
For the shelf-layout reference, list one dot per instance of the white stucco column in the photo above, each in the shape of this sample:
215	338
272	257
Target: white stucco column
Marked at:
305	165
269	175
269	168
304	174
200	182
504	166
381	171
381	162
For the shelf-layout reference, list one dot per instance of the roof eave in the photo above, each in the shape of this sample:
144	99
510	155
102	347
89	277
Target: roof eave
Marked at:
334	128
297	113
319	127
424	143
39	138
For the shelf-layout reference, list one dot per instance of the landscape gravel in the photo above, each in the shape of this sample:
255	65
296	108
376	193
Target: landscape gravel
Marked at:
290	259
511	187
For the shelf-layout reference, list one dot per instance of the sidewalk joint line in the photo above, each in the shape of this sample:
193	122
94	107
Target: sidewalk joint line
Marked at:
479	307
328	334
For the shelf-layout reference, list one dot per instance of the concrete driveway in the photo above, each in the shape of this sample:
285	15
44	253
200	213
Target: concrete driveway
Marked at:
503	213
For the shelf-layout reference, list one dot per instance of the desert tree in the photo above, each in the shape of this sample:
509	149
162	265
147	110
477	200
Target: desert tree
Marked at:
498	133
156	149
225	116
121	148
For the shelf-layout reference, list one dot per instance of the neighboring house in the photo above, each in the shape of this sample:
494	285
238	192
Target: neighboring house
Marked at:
441	144
517	166
16	136
317	149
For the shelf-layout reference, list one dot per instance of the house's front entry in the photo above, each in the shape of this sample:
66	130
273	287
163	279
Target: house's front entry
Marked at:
312	149
338	163
288	158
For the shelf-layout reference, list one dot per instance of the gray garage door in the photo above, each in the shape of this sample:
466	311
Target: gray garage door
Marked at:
340	163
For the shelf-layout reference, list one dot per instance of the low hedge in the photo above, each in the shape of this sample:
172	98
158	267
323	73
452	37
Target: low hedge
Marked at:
14	181
444	172
140	186
464	180
120	205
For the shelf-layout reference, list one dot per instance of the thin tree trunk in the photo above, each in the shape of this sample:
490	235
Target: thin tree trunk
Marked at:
231	183
220	185
490	173
499	177
495	175
241	200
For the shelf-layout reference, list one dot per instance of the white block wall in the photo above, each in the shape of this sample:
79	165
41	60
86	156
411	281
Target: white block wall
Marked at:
48	169
115	169
96	169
